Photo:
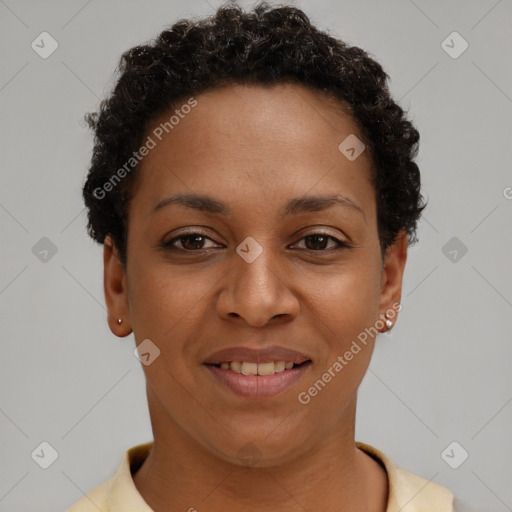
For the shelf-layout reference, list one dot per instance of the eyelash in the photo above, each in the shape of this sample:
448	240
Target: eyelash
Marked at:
169	244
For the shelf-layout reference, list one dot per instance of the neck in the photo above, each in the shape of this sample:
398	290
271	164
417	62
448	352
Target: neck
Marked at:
180	475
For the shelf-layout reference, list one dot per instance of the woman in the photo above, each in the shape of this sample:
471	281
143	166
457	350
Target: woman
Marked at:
254	187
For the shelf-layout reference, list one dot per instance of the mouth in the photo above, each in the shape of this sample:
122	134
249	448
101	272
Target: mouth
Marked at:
258	380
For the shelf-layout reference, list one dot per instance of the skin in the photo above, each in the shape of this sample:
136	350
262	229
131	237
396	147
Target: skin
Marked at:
254	149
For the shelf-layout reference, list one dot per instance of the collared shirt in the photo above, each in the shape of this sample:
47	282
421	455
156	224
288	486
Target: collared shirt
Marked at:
407	492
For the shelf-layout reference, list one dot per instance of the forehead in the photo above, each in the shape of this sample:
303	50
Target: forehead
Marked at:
252	141
285	112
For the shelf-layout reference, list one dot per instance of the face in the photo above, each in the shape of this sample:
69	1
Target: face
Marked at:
255	263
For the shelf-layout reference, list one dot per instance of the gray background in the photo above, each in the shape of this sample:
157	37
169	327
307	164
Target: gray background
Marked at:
443	375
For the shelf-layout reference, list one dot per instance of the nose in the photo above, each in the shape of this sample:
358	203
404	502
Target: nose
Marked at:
257	292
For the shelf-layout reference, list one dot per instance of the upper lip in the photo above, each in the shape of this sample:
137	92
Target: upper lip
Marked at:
256	355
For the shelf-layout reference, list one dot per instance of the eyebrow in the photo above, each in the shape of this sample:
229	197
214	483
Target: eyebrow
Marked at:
304	204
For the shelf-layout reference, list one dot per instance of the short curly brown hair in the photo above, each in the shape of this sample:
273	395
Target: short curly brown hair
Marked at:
269	45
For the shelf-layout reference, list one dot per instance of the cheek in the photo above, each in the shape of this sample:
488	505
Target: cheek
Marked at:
344	320
346	300
169	306
165	300
166	308
344	309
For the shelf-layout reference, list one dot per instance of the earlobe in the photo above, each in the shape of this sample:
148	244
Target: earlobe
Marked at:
114	285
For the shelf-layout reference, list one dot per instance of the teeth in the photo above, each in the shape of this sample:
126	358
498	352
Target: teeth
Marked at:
246	368
236	366
249	368
266	368
279	366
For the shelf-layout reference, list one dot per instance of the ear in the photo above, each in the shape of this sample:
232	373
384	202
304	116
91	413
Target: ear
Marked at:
116	293
392	274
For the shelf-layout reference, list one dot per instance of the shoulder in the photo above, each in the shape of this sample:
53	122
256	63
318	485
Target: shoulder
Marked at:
94	500
118	492
409	492
419	494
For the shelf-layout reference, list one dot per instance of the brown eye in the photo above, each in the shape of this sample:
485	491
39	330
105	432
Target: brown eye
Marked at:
319	242
191	242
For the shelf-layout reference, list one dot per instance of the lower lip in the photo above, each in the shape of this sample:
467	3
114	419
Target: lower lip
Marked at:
258	386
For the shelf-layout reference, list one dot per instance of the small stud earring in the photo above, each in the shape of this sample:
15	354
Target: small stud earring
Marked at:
119	320
389	323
